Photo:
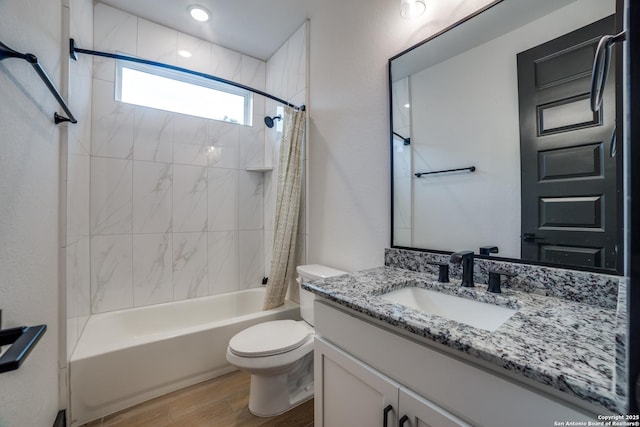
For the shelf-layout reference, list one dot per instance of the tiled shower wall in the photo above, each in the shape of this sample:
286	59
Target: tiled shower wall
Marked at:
78	137
287	79
173	212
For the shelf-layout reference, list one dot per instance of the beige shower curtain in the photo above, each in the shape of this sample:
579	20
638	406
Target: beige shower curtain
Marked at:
283	263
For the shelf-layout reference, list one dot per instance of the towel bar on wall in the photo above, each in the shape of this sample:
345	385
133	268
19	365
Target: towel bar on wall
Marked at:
470	169
22	341
7	52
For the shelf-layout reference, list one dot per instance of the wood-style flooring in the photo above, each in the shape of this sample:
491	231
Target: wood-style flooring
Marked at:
220	402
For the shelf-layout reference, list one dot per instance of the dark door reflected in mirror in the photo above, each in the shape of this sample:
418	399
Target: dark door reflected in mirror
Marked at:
501	103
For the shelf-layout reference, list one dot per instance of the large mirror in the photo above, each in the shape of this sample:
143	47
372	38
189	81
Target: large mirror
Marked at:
494	145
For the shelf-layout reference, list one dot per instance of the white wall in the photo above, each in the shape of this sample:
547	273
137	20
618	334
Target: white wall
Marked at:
475	122
29	190
350	44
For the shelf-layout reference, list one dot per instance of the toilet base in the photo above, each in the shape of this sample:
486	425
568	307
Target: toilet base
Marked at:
275	394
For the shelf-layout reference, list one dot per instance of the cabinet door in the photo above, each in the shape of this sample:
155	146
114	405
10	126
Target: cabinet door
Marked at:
423	413
349	393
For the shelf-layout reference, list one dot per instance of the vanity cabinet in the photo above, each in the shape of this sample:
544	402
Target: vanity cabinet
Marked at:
355	394
363	365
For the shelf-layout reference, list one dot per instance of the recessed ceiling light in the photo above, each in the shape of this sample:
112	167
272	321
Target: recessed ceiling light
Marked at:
411	9
405	105
199	13
184	53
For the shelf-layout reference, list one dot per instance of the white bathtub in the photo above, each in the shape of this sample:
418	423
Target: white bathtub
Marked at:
126	357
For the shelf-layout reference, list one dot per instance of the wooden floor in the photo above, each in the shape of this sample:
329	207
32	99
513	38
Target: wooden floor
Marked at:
220	402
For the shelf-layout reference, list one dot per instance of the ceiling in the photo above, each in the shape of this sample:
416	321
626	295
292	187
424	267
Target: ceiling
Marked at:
254	27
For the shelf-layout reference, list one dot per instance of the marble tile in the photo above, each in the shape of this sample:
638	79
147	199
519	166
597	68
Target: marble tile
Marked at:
269	211
251	258
190	130
78	276
156	42
78	197
112	123
225	63
113	31
152	269
189	198
297	62
268	251
250	201
223	143
190	279
223	262
80	100
277	73
223	199
200	59
152	197
111	273
111	196
82	26
190	154
251	141
153	135
253	72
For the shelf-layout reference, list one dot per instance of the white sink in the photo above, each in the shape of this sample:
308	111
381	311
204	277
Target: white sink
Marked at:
473	313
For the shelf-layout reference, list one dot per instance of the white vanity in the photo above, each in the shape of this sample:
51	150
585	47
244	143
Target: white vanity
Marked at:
383	364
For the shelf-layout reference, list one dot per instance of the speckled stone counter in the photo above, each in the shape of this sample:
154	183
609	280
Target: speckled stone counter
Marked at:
566	345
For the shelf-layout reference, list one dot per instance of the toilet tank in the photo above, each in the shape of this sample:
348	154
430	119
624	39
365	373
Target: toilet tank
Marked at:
308	273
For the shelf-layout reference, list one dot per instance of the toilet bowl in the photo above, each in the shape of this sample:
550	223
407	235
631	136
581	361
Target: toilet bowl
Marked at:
279	354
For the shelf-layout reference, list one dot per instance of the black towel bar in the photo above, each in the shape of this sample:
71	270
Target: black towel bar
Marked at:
22	340
7	52
470	169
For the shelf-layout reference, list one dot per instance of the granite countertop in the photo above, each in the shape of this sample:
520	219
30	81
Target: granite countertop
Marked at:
562	344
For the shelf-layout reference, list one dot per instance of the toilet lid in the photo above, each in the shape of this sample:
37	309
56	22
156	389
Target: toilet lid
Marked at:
269	338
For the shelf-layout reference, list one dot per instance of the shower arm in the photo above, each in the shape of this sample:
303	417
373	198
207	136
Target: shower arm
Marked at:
7	52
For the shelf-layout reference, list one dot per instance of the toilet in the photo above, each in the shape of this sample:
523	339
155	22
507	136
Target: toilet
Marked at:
279	354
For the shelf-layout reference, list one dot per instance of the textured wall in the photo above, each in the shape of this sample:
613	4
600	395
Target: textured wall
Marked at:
29	190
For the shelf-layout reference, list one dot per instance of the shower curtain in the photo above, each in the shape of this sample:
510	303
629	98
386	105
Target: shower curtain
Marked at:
283	263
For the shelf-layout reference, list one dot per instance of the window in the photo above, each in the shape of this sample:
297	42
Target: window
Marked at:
171	90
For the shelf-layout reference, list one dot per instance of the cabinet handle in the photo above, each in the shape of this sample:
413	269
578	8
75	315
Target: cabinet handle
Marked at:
403	420
385	415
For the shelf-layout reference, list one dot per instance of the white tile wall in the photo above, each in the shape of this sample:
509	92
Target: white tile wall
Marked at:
286	76
111	195
190	279
111	272
174	214
152	268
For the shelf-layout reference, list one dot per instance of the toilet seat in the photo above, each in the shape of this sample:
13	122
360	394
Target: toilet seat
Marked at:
269	338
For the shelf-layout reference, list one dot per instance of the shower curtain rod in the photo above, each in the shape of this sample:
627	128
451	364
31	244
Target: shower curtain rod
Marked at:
73	50
7	52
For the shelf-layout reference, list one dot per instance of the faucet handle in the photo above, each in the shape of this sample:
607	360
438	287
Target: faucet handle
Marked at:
443	271
494	280
488	250
457	257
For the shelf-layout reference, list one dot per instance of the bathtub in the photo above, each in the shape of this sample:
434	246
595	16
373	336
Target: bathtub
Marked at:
129	356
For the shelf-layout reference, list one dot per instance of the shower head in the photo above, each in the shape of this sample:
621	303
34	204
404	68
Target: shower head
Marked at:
269	121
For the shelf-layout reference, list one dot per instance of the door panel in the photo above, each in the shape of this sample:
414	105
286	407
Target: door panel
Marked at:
352	394
568	177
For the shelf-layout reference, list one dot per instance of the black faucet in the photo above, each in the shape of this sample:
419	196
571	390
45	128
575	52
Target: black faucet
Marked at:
466	259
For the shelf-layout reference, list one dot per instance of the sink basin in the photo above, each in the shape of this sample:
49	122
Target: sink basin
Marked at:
473	313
